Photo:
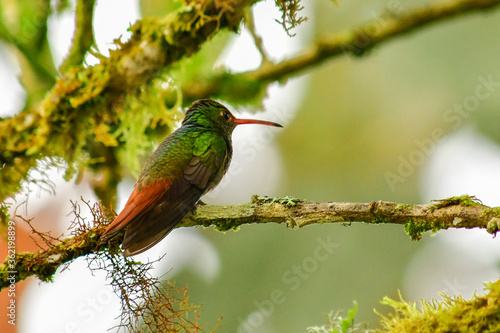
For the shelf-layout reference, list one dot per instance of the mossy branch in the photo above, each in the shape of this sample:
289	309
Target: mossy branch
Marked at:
88	101
456	212
391	23
79	116
44	263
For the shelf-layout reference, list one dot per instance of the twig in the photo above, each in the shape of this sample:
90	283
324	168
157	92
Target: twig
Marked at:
355	41
456	212
92	95
250	24
373	33
83	37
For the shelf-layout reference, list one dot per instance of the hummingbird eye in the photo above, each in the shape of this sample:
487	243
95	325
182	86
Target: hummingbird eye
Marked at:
225	115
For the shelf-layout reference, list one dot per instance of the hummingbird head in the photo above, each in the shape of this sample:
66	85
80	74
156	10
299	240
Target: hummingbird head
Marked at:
211	114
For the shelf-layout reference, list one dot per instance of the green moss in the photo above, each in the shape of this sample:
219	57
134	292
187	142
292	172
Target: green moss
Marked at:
80	118
463	200
25	268
139	115
491	212
493	225
223	225
453	314
377	219
415	230
338	324
403	207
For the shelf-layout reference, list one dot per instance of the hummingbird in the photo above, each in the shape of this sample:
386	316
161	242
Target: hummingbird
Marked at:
187	164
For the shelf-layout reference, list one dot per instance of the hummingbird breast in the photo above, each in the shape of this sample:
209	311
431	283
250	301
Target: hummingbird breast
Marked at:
216	159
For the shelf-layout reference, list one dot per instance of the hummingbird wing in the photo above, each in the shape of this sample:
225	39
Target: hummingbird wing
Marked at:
152	225
141	200
153	210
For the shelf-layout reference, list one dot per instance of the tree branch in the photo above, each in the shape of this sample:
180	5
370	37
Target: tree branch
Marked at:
83	37
250	24
88	102
32	60
84	110
242	87
26	32
455	212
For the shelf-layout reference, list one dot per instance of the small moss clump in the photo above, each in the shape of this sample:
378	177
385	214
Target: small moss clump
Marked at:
463	200
377	219
224	225
287	201
402	207
415	230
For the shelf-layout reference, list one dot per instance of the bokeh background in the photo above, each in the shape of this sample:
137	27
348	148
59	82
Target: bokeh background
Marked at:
356	130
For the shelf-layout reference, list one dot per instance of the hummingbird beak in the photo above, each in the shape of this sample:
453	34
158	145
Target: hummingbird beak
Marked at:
254	121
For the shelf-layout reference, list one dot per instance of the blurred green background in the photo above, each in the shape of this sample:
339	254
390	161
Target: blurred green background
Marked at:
357	118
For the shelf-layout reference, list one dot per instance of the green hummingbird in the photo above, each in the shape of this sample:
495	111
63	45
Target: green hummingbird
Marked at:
187	164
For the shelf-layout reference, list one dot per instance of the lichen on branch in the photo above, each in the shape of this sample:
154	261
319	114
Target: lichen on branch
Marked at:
80	120
86	103
145	301
458	212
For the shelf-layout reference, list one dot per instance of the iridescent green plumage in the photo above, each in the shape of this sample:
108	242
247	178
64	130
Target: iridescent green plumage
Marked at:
186	165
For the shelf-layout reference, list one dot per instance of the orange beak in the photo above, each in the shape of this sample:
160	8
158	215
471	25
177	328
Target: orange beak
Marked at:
255	121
